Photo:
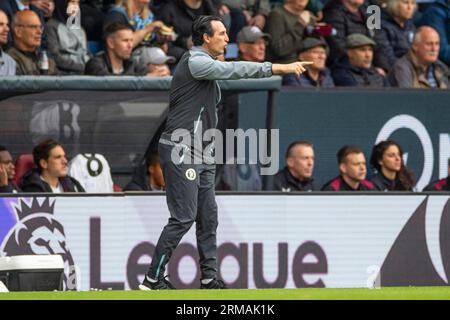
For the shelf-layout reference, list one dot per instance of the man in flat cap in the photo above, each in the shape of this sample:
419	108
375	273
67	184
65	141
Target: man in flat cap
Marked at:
252	44
356	69
317	74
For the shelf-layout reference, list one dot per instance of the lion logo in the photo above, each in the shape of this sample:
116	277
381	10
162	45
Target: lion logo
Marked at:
38	232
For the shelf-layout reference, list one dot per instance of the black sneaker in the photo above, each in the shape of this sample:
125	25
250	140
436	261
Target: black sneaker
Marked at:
214	284
161	284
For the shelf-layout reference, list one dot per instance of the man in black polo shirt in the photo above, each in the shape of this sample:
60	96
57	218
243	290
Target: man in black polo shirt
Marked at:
297	175
116	60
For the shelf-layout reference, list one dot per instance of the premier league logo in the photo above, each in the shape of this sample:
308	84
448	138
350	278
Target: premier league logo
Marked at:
36	231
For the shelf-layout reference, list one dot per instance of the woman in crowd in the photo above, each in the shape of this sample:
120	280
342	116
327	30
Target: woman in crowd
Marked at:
391	172
396	33
66	38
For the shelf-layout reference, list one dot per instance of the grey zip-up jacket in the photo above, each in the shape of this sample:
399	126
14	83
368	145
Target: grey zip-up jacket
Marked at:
195	93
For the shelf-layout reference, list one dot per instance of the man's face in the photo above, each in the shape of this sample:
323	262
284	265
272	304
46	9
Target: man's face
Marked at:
56	164
427	48
4	28
217	43
29	32
361	57
7	162
158	70
301	162
354	167
121	44
255	51
318	55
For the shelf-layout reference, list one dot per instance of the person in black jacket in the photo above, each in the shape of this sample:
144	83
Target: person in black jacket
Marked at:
440	185
392	174
7	172
396	33
352	168
297	175
50	174
147	177
348	17
180	14
116	60
356	70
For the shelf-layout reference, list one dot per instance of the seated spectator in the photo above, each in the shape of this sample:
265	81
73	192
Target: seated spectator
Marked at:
11	7
352	168
116	60
437	16
180	14
7	172
297	175
7	64
316	74
246	13
50	174
396	33
156	61
252	44
440	185
356	69
67	44
421	67
391	173
286	25
27	40
348	17
138	15
148	177
46	6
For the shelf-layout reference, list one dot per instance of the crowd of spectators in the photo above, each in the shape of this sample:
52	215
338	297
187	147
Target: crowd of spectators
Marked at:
408	47
51	171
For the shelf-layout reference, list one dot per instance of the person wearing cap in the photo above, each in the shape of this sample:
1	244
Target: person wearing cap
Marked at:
317	74
116	60
156	61
421	67
356	69
252	44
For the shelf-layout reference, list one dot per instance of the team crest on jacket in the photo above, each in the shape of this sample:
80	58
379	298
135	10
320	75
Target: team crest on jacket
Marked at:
191	174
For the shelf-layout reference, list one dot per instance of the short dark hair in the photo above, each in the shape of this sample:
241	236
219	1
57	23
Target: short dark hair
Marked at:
201	26
297	143
42	151
345	151
114	27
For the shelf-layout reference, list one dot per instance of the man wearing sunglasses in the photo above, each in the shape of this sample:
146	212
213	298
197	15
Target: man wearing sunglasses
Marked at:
28	30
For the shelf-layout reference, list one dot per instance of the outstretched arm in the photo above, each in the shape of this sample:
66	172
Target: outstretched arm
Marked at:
296	68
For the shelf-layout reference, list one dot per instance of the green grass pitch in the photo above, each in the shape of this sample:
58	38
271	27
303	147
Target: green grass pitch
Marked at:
397	293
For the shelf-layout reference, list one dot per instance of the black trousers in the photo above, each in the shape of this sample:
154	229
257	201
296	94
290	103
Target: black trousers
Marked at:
190	198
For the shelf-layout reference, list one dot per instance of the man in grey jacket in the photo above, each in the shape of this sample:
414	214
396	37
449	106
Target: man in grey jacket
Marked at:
190	184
